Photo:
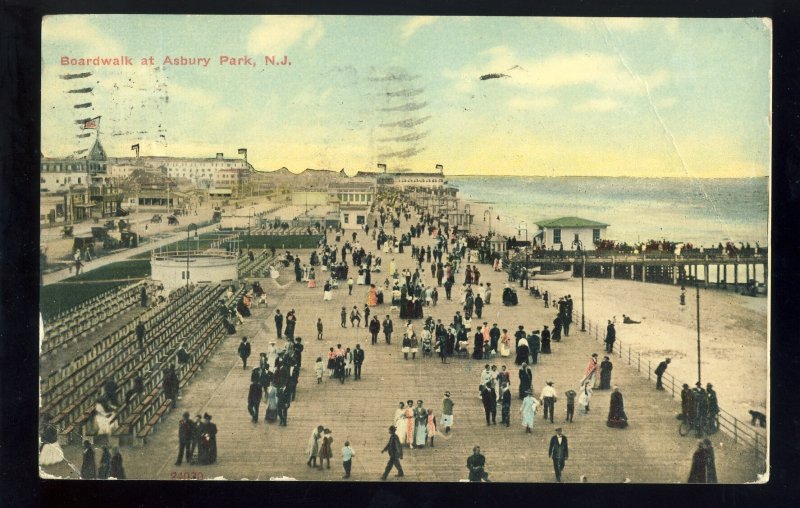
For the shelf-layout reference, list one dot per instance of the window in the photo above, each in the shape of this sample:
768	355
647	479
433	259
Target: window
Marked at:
577	239
347	218
557	235
595	235
360	219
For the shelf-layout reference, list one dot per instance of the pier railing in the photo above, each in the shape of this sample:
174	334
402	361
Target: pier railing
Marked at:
739	431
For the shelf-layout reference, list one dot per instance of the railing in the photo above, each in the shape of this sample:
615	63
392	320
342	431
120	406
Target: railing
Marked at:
738	430
621	258
182	254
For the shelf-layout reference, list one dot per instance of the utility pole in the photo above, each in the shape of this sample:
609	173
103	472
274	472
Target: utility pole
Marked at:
697	288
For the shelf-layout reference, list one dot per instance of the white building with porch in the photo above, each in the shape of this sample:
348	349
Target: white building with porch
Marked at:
569	232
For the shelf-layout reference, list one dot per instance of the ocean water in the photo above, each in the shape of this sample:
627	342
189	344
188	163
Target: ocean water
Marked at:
701	211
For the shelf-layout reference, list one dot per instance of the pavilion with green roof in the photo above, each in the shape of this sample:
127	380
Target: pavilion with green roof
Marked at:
569	232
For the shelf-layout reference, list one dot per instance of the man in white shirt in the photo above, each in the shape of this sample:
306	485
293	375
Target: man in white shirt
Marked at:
549	400
486	376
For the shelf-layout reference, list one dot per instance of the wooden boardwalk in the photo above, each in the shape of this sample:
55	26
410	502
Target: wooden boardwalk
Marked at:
648	451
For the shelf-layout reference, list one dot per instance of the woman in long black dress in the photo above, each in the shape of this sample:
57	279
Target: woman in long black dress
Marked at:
523	351
605	373
616	412
117	471
104	470
545	341
88	467
525	380
418	313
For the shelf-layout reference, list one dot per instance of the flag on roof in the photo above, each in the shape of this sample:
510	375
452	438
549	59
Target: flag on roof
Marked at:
91	123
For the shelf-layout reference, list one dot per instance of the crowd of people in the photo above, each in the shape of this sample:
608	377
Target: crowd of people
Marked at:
414	293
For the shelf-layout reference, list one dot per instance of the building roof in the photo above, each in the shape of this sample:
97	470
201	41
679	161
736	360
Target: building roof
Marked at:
570	222
351	184
412	174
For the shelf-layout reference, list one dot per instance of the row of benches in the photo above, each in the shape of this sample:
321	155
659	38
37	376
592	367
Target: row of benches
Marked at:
87	317
143	420
66	377
256	267
139	417
73	397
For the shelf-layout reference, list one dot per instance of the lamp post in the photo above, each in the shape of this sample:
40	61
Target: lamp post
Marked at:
249	217
467	213
520	228
188	230
579	244
489	211
697	289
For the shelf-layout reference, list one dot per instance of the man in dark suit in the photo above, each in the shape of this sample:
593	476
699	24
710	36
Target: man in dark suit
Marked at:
185	431
244	352
395	450
358	359
559	452
278	322
254	400
197	427
388	328
374	329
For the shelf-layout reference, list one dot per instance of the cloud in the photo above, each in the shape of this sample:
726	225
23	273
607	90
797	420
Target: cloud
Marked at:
620	25
597	105
604	71
416	23
532	103
275	34
665	102
577	24
625	24
77	32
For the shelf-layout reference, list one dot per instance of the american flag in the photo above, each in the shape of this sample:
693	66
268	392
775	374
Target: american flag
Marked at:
91	123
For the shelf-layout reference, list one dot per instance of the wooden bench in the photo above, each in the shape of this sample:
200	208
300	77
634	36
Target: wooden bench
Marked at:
152	423
76	427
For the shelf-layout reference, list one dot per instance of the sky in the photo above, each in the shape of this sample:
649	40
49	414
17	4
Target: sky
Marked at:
559	96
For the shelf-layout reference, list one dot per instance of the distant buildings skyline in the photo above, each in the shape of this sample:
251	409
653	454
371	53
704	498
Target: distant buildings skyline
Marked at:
535	96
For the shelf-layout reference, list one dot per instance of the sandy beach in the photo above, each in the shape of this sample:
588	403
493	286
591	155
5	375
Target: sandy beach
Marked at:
733	328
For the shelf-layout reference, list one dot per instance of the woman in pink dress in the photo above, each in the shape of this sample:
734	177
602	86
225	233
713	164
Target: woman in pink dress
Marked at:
431	426
312	281
372	296
409	415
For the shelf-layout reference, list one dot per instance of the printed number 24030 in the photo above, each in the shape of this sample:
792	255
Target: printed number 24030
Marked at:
186	475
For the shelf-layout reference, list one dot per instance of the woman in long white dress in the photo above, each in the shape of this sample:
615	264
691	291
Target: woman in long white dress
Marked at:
272	355
528	410
348	362
399	422
362	276
505	344
103	420
585	396
272	404
327	294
